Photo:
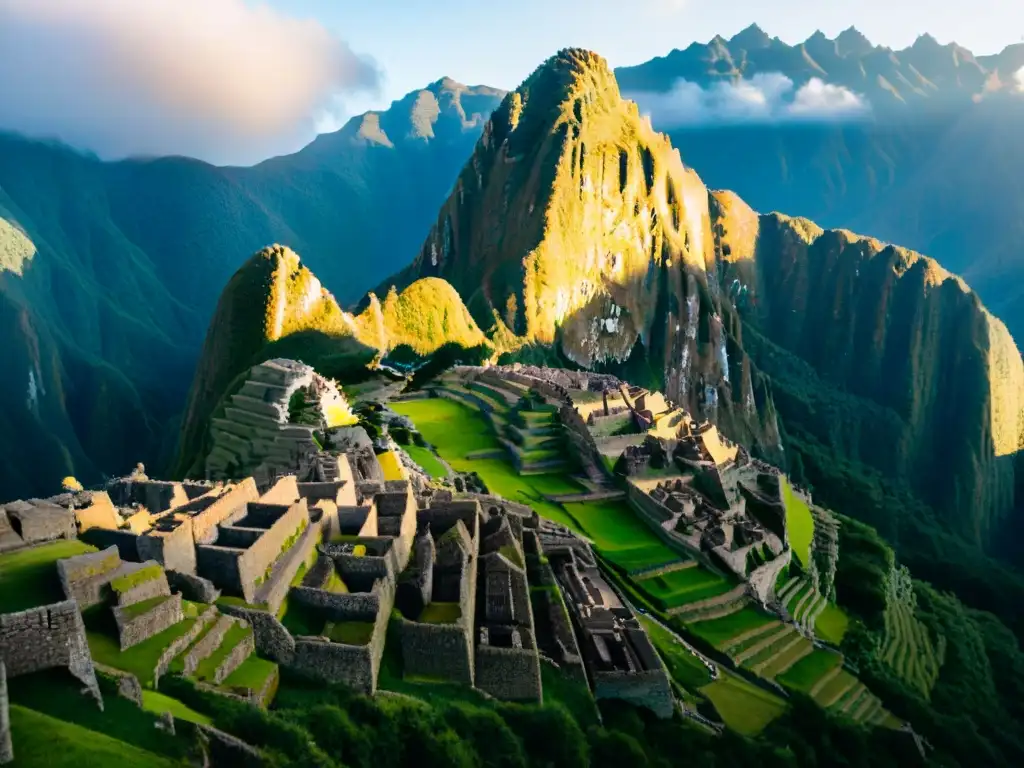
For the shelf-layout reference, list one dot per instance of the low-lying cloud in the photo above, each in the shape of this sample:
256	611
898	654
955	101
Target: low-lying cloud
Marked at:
764	98
221	80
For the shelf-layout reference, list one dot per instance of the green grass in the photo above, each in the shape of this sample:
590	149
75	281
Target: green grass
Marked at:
810	669
452	428
336	584
685	668
29	578
440	613
743	707
575	696
799	523
208	666
300	619
351	632
512	555
720	631
158	703
144	606
426	460
135	578
620	535
42	740
831	624
140	659
689	585
252	674
782	662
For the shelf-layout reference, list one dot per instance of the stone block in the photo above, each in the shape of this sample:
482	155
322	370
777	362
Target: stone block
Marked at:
134	627
42	522
84	578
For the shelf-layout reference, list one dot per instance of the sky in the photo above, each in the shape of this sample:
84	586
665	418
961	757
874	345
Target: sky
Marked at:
236	81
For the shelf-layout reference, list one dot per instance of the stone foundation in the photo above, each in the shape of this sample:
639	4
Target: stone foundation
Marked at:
511	674
6	748
85	577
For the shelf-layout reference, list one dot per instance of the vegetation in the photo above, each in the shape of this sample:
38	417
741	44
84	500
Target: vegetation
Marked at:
720	631
427	461
745	708
689	585
136	577
799	523
685	668
158	703
440	613
28	578
208	666
831	624
251	673
350	632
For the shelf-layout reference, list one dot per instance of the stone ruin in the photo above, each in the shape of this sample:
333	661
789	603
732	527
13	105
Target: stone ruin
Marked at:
270	426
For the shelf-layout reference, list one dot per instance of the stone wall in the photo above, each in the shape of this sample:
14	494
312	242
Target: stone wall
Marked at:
650	689
350	606
174	549
280	582
127	684
134	629
41	521
242	651
225	749
47	637
194	588
441	651
208	516
6	747
180	643
351	665
208	644
273	641
84	577
511	674
156	586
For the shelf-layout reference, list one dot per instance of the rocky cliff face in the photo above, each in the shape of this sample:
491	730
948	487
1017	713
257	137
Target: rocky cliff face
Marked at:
893	327
576	225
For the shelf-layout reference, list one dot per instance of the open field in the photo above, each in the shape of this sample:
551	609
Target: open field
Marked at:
452	428
745	708
28	578
426	460
620	535
158	703
799	523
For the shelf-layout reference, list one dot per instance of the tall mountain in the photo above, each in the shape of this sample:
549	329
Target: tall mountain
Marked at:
932	164
109	272
577	227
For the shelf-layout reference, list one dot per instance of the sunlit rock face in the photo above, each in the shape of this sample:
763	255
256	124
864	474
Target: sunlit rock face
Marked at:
576	225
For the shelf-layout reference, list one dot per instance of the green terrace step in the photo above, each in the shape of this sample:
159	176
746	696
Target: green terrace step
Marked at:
794	650
498	395
836	689
851	698
225	659
824	680
790	588
751	637
769	645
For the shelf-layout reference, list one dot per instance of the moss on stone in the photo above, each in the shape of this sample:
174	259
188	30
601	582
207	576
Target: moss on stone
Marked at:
133	579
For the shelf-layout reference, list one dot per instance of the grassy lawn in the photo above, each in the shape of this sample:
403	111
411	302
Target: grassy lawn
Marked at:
252	673
831	624
681	587
810	669
620	535
158	703
426	460
799	523
56	694
299	619
440	613
685	668
42	740
782	662
720	631
392	467
452	428
744	708
351	632
208	666
29	578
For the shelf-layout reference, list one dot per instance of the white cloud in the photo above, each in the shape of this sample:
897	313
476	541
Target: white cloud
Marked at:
218	79
764	98
1019	77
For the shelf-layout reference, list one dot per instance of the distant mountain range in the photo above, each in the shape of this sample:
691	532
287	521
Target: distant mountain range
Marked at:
110	272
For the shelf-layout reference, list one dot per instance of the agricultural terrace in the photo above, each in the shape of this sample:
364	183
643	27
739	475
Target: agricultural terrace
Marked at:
799	523
744	707
909	649
426	460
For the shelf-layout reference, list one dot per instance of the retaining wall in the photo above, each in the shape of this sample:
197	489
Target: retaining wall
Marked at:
6	748
84	577
650	689
273	641
512	674
194	588
133	630
242	651
174	549
180	643
154	587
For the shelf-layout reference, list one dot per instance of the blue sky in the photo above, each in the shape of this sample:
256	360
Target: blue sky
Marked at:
236	81
499	43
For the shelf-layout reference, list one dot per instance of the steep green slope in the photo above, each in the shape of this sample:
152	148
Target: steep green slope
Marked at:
578	226
109	272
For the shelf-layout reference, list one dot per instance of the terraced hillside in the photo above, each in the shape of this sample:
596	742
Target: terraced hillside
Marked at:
909	648
684	597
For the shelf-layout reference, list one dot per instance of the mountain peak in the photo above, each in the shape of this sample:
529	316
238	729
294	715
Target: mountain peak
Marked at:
751	38
852	42
925	42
